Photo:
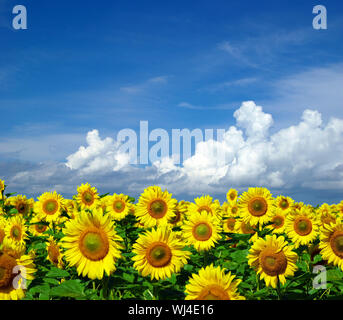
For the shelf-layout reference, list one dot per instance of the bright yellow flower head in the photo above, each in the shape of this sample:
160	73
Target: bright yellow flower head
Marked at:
302	227
278	220
16	230
2	188
21	203
159	253
180	213
92	244
232	196
87	196
16	268
202	230
272	258
255	206
331	243
284	203
155	207
118	206
49	206
55	254
211	283
205	204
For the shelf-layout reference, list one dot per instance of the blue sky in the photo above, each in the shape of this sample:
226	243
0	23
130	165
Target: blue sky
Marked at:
106	65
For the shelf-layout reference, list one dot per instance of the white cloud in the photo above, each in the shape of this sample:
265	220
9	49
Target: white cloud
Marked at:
99	155
305	157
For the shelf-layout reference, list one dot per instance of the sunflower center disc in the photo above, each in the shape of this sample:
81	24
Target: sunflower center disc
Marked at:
176	218
202	231
213	292
94	246
284	204
50	207
234	210
158	209
278	222
21	208
336	243
303	226
273	263
231	223
7	265
119	206
16	232
88	197
258	207
40	228
232	196
159	255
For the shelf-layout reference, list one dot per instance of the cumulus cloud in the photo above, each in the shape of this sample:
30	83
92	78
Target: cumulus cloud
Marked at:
99	155
305	157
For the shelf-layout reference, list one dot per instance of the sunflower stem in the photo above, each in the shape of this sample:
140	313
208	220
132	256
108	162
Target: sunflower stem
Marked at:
278	289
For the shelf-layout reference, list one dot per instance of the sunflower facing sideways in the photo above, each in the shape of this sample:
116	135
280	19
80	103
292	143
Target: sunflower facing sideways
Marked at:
38	226
49	206
22	204
302	227
92	244
272	258
15	268
2	188
118	206
205	204
159	253
201	230
180	212
54	252
255	206
87	196
211	283
155	207
331	243
278	220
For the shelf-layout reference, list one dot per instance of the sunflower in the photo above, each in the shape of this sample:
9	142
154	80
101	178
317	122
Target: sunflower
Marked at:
201	230
71	207
2	188
2	229
38	226
54	252
339	208
211	283
331	243
284	203
232	196
16	231
273	259
229	225
92	244
15	269
205	204
255	206
302	227
118	206
278	220
87	196
243	227
180	213
22	204
326	215
155	207
159	253
49	206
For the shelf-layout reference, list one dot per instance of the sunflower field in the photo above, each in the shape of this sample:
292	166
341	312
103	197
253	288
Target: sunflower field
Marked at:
112	247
